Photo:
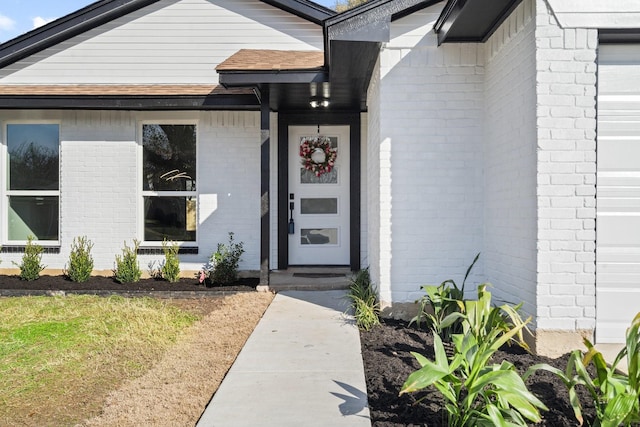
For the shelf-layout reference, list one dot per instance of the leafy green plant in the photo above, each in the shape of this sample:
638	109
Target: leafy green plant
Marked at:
442	305
171	267
615	395
364	300
225	262
127	266
476	393
31	264
80	260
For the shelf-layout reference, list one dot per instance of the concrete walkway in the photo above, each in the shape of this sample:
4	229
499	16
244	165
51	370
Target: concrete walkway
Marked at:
301	367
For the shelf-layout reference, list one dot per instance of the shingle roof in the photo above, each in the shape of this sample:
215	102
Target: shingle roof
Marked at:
272	60
120	90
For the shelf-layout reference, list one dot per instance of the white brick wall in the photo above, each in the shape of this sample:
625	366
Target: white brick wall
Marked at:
100	167
379	273
509	249
429	151
487	147
566	134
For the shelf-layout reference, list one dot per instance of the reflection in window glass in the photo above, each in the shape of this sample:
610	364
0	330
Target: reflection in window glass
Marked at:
169	182
169	157
319	236
171	218
32	181
33	216
319	206
308	177
33	156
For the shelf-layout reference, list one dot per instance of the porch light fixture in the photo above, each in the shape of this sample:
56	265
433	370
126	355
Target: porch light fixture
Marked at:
319	102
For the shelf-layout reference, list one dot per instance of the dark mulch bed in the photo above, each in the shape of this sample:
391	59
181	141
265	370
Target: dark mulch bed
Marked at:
388	363
101	283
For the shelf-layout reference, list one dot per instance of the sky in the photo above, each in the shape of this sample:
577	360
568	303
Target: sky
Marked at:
19	16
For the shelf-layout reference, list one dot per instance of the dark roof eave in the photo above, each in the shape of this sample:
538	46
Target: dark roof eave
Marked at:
304	9
249	79
142	102
451	28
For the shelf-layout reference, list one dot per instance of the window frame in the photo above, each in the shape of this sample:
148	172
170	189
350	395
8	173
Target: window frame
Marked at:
146	193
6	193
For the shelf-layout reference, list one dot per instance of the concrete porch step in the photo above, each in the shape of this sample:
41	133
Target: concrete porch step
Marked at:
310	279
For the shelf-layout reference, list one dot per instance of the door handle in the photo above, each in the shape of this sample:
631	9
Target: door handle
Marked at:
292	225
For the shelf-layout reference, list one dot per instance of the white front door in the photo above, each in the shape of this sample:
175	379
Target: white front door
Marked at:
618	196
320	199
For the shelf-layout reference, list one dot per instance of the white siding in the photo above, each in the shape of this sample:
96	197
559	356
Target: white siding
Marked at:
618	211
100	168
566	133
171	42
430	158
510	160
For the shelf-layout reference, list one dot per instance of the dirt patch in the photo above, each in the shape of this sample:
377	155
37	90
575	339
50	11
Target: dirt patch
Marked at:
388	362
176	390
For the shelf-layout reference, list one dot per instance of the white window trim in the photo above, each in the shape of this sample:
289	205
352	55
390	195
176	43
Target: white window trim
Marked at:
5	193
141	194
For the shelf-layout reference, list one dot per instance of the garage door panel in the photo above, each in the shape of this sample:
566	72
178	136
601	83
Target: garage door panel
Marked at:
617	255
618	192
629	206
614	317
617	179
616	79
618	278
619	129
617	231
619	154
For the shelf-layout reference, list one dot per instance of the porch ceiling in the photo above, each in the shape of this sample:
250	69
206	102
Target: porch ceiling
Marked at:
472	20
294	79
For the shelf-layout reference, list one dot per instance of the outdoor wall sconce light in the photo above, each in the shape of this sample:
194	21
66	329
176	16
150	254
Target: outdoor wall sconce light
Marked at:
319	102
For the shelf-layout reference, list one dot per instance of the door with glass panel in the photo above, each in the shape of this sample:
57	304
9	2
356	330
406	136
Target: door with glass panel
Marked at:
318	195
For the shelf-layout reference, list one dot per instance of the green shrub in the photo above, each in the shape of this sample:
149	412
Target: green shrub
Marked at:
442	305
170	269
615	395
225	262
476	393
127	266
364	300
31	265
80	260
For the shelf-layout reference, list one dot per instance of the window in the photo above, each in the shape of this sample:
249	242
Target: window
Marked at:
169	182
33	181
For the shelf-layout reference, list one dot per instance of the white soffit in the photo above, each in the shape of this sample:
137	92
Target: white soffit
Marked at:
608	14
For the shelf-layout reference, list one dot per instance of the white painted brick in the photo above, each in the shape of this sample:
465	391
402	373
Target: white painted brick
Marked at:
567	72
100	169
588	322
571	312
556	323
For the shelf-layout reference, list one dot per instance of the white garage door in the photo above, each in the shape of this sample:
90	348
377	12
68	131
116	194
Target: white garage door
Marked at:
618	204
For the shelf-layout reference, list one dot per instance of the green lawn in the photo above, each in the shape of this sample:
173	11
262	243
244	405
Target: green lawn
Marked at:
59	356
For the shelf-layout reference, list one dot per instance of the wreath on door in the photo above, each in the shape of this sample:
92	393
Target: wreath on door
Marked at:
317	155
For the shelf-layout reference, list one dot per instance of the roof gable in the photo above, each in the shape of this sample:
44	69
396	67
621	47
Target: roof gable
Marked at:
104	11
